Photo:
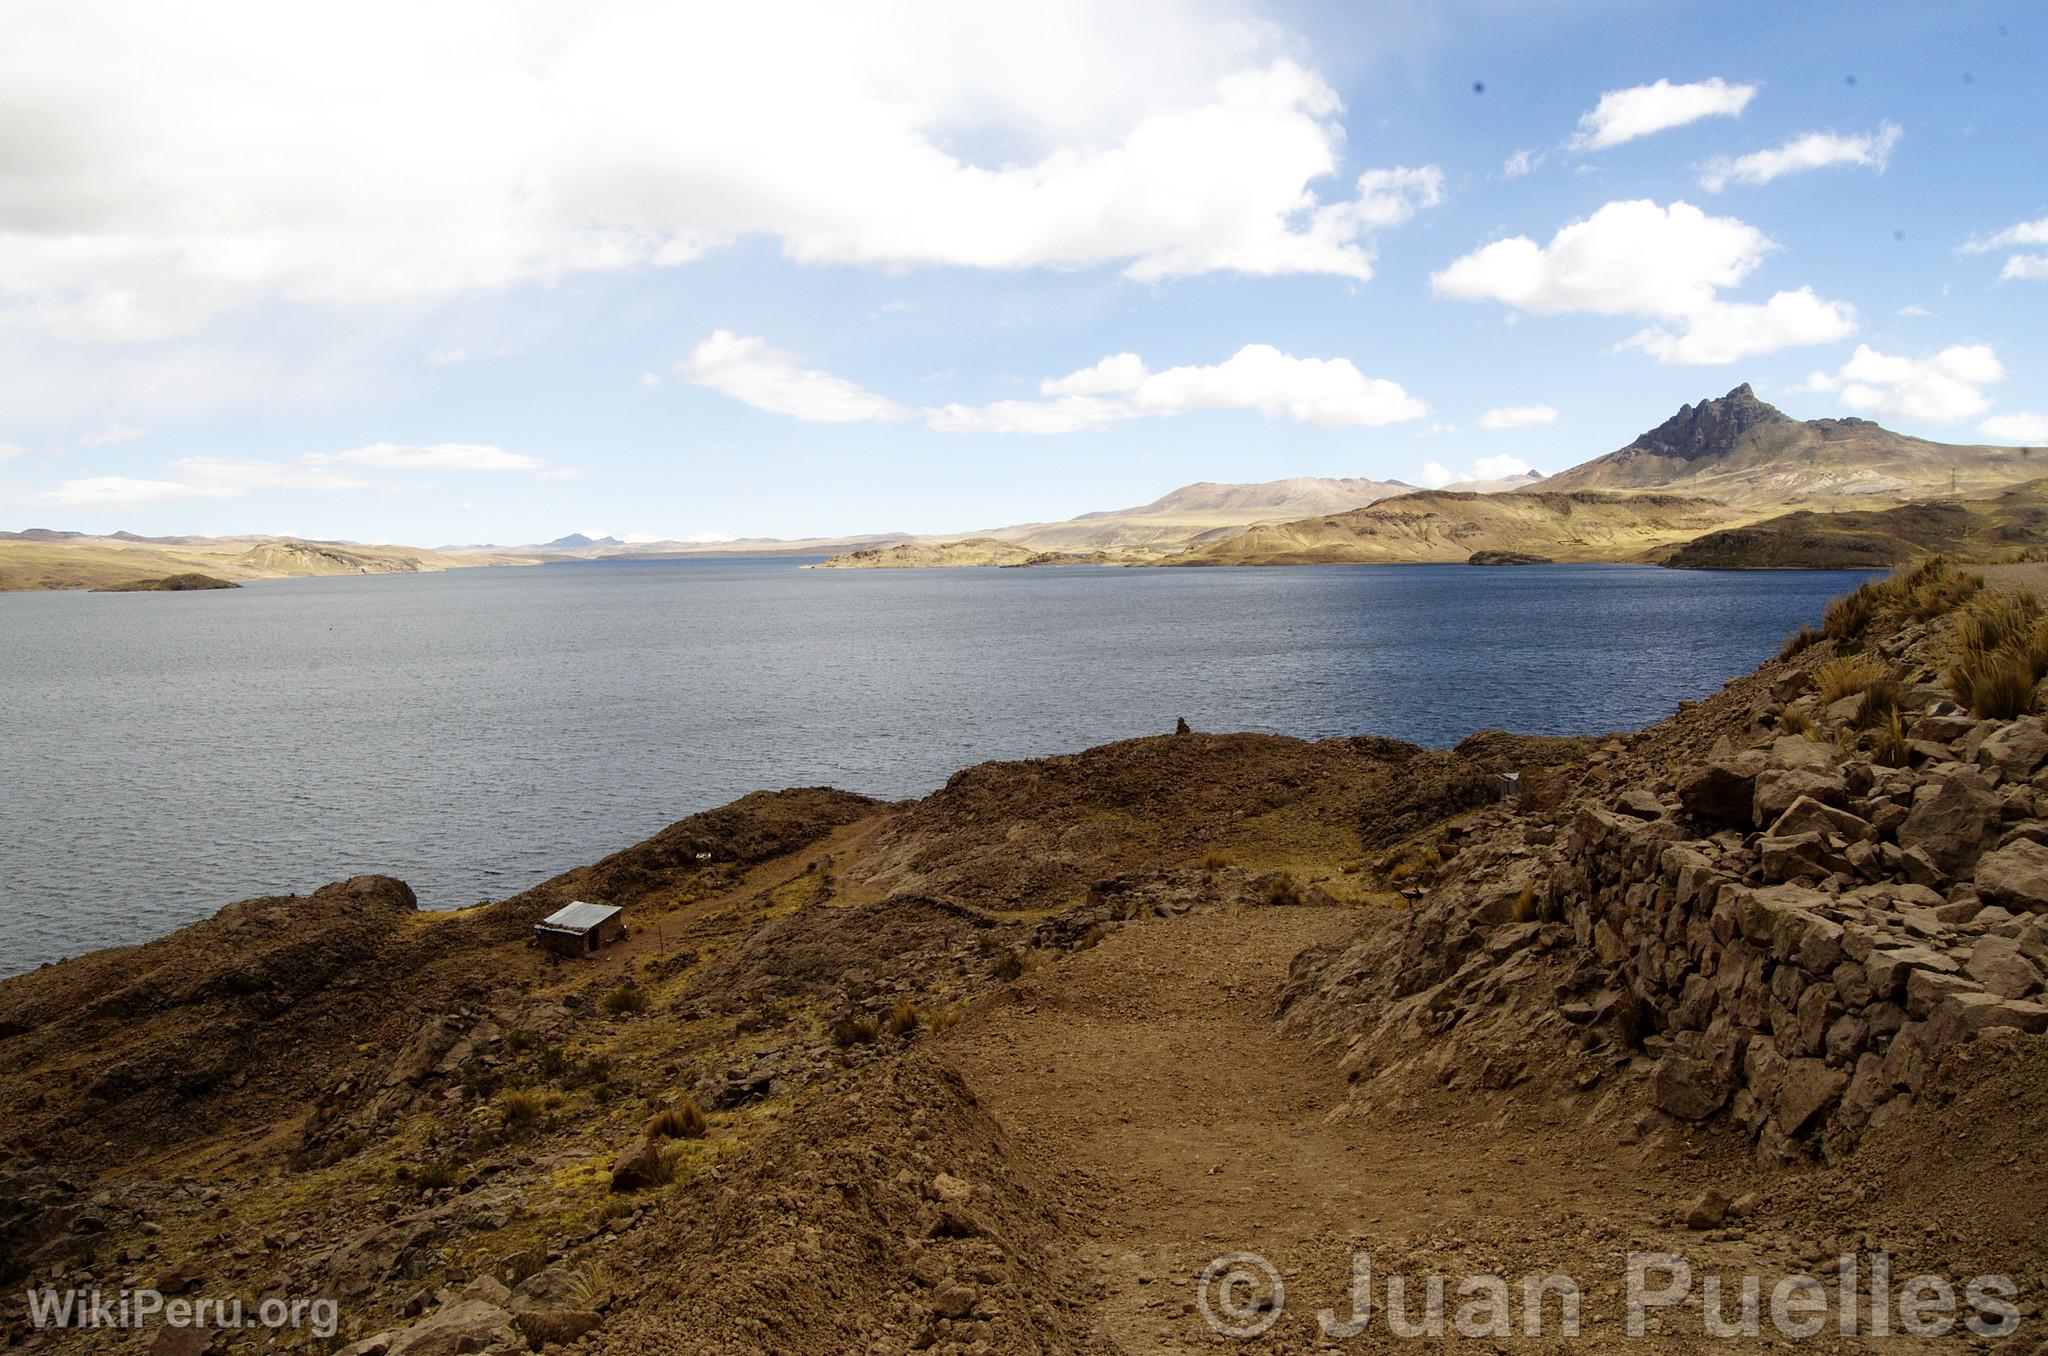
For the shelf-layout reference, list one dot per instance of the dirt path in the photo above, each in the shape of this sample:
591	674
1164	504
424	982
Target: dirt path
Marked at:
1151	1064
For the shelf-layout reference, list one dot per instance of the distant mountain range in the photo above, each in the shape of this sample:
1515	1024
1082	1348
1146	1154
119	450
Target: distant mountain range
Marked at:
1742	481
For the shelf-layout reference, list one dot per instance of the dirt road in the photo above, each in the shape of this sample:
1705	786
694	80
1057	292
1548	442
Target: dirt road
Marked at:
1152	1063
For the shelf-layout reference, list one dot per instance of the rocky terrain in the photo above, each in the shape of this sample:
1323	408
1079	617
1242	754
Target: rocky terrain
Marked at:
42	559
1002	1069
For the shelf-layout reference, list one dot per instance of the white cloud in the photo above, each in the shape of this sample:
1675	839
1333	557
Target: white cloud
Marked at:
2025	267
1914	312
1639	258
163	169
770	379
112	434
1814	150
1518	416
435	457
1625	114
2024	428
1436	430
447	357
2024	233
1521	163
9	451
1326	392
191	478
1729	331
1944	389
1437	476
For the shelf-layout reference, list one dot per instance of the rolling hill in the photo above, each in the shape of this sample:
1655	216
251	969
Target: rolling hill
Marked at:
1987	529
1448	526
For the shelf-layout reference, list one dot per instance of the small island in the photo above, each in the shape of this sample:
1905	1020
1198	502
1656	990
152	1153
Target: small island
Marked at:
171	583
1508	558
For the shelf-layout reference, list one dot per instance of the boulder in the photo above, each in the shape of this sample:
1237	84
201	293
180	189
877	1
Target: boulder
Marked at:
1955	824
1719	792
2016	876
1807	815
464	1326
1687	1088
1809	1089
2015	750
1710	1211
1996	963
638	1166
1640	803
1777	789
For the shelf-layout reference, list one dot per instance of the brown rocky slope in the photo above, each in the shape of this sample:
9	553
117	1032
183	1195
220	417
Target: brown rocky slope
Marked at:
1001	1069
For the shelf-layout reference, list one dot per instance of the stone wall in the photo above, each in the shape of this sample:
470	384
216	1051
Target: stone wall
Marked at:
1802	929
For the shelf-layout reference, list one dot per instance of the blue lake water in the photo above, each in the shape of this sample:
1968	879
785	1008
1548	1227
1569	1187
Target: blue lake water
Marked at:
477	731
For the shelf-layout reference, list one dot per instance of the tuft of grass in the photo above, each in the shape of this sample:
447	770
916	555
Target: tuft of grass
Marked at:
438	1175
1793	721
1849	615
848	1032
1880	703
1091	938
1527	910
1998	685
945	1018
1281	890
521	1108
1933	588
1012	964
902	1020
1803	639
678	1122
1214	860
1839	678
624	999
1888	744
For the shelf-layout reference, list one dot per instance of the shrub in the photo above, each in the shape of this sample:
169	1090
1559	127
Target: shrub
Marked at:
902	1019
624	999
678	1122
1888	744
1012	964
438	1175
1839	678
851	1031
595	1070
1998	621
1281	890
1880	702
1994	686
553	1062
1802	639
521	1108
1932	588
1849	614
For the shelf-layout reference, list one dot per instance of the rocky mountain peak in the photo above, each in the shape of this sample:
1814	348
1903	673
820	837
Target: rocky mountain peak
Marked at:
1710	427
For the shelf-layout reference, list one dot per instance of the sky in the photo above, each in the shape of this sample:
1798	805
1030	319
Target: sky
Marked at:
496	272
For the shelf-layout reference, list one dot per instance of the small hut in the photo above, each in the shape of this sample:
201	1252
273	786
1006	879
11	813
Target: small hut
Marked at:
579	928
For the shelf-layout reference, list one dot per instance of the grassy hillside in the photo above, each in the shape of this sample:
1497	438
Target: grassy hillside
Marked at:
1444	526
1988	529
